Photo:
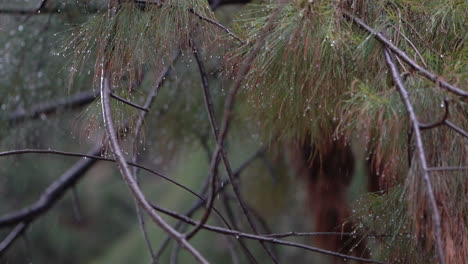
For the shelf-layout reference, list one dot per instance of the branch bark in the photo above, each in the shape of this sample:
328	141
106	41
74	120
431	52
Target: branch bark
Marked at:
73	102
128	176
238	234
401	54
398	82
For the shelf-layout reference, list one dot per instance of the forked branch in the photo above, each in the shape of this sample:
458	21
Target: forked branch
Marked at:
420	152
128	176
401	54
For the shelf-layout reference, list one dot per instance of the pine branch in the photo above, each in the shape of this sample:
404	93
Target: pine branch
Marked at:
398	82
438	80
219	25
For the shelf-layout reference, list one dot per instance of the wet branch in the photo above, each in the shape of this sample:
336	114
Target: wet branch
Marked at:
220	136
136	157
401	54
238	234
72	102
128	176
125	101
398	82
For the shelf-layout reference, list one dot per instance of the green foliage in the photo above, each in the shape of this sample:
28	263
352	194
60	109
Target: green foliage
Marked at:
133	38
319	78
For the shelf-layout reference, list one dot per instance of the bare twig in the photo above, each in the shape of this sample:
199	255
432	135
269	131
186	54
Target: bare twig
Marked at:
12	236
52	194
139	123
441	121
389	45
414	48
238	234
447	169
76	205
221	26
72	102
456	128
201	202
214	165
220	137
128	102
421	154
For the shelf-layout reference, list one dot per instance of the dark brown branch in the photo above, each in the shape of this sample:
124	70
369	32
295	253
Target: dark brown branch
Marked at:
129	103
219	25
388	44
20	215
441	121
213	172
201	202
228	109
444	121
421	154
238	234
220	137
74	102
52	194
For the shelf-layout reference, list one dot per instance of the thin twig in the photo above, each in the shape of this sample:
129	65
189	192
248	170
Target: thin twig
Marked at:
213	172
228	109
37	111
221	26
429	75
414	48
300	234
441	121
91	157
456	128
201	202
421	154
238	234
53	193
76	205
12	236
136	157
431	169
220	136
128	102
